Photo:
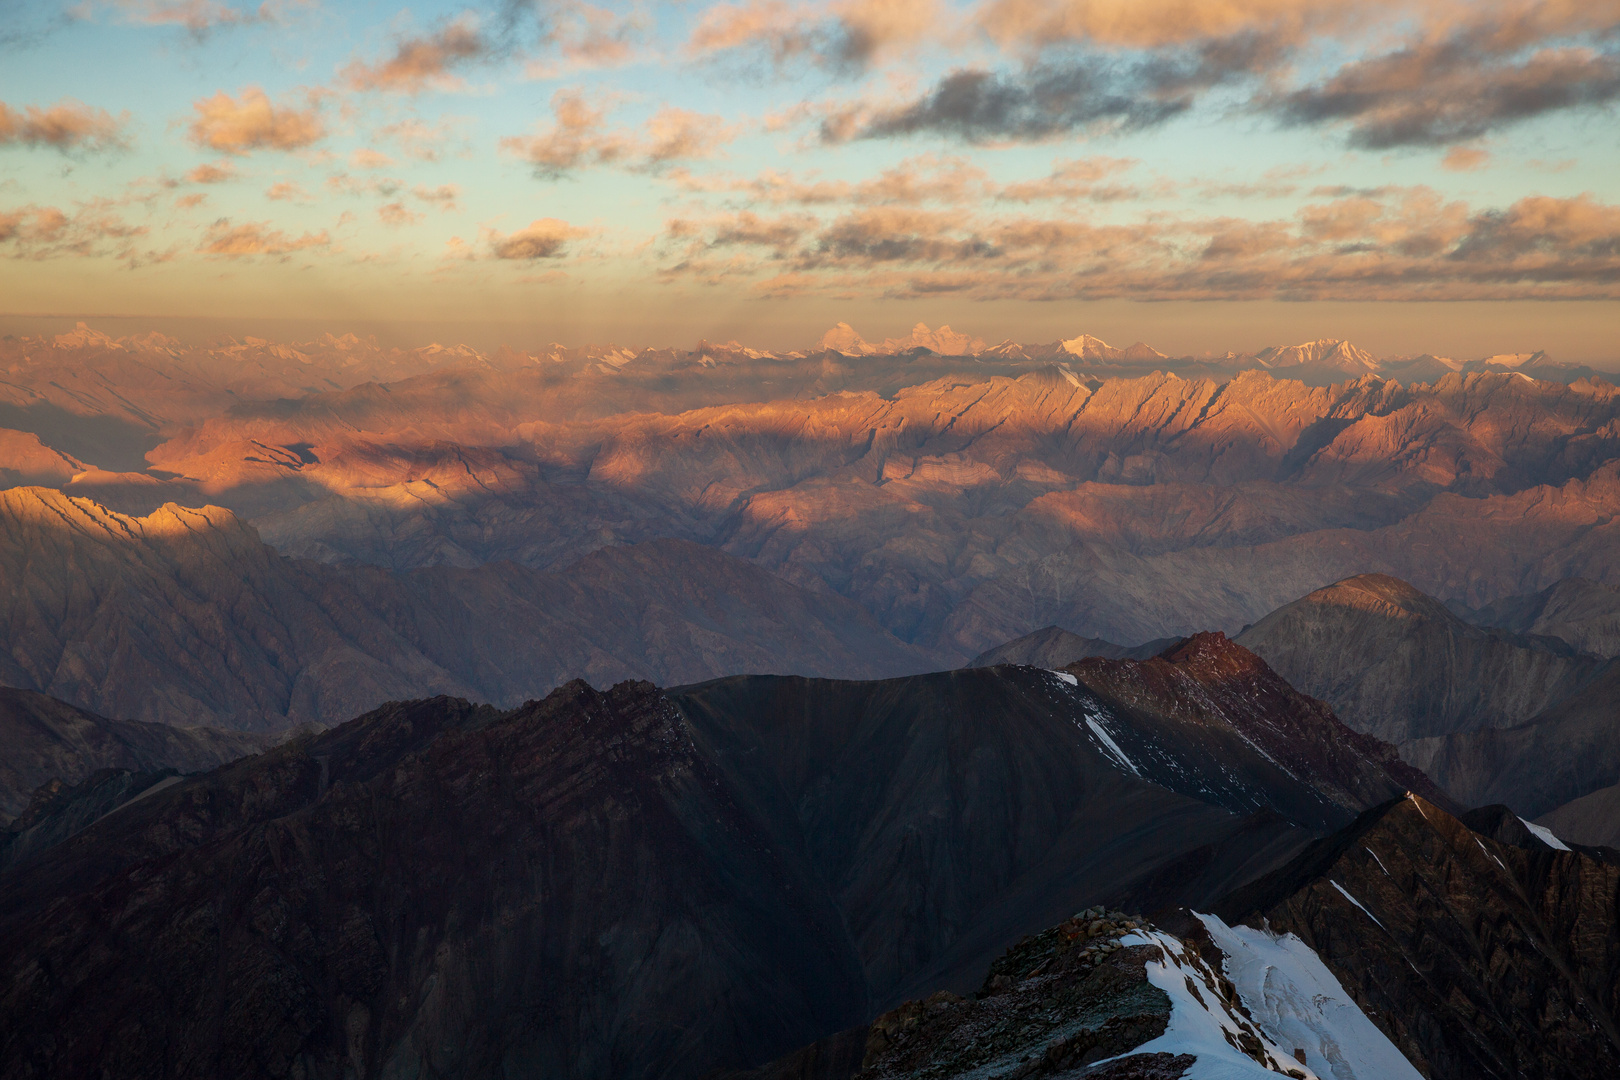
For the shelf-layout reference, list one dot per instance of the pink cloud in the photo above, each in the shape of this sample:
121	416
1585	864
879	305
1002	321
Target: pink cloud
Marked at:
67	125
256	238
546	238
422	63
253	123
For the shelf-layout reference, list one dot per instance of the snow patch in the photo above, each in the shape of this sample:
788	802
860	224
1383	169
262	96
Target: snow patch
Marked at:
1380	863
1298	1002
1487	851
1346	894
1066	677
1098	730
1200	1024
1545	835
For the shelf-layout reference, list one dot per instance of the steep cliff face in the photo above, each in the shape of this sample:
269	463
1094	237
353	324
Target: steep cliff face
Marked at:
1396	663
185	617
1480	952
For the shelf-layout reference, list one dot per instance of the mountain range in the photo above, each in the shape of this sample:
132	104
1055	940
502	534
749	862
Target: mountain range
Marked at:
923	708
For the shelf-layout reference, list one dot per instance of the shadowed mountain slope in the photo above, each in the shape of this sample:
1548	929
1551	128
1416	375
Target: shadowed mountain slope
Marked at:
1568	751
1584	613
43	739
698	880
1054	647
184	616
1398	664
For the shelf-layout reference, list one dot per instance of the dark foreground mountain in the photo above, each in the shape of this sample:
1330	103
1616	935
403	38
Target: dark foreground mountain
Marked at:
185	617
1411	943
632	883
1479	948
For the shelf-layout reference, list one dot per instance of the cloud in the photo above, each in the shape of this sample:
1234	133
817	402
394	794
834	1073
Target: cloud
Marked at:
188	202
1465	159
286	191
1388	244
674	134
254	123
1454	90
217	173
197	16
579	136
367	158
67	125
256	238
419	140
1149	24
546	238
45	232
1089	93
395	214
1081	178
424	62
445	196
916	180
585	36
847	35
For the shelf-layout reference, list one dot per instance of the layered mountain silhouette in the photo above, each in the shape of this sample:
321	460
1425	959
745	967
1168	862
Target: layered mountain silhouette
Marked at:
186	617
636	883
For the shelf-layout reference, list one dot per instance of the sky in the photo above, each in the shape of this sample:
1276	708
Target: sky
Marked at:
1422	176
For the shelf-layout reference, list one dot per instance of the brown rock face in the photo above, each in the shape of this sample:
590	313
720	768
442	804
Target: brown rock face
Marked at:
1396	663
1586	614
1479	953
1565	752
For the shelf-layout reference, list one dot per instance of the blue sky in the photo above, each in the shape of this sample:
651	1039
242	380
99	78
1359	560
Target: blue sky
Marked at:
1440	176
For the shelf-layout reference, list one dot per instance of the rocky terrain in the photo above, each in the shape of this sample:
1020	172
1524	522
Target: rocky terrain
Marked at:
1563	753
1586	614
708	877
